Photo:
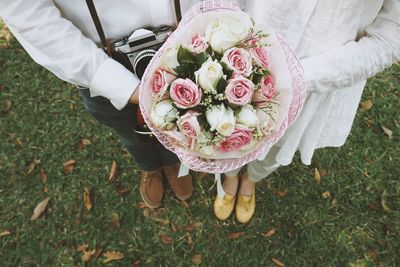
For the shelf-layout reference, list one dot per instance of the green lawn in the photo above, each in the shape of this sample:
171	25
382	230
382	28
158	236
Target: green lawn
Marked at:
42	119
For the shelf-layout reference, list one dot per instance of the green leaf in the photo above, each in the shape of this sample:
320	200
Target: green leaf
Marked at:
201	58
256	78
226	70
221	85
185	56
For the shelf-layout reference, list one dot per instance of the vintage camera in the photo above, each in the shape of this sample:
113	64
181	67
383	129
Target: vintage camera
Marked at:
140	47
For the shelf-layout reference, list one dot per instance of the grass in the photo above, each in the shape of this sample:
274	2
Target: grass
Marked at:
42	118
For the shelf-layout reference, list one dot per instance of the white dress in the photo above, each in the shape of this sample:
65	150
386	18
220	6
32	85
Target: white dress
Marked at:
341	44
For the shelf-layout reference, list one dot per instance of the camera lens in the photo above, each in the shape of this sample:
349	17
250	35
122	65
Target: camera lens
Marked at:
142	61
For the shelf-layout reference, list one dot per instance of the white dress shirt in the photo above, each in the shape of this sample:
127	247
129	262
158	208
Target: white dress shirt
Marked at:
340	43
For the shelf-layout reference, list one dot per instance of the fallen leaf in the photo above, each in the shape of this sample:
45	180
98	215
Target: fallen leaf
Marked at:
317	175
115	220
86	255
323	172
45	189
269	233
96	253
278	263
167	240
147	212
196	259
32	166
173	227
326	194
135	264
69	166
192	226
383	201
113	172
235	235
40	208
184	204
83	143
18	141
190	240
113	256
81	248
388	132
87	202
5	233
334	203
281	193
121	190
366	105
43	175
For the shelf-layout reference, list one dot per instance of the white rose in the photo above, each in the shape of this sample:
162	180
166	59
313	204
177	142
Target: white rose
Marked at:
208	76
222	119
170	59
164	115
247	116
225	33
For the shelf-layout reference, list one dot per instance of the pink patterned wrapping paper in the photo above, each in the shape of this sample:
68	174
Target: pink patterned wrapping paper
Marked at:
197	163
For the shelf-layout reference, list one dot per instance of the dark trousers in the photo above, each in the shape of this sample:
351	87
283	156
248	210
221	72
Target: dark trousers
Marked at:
149	155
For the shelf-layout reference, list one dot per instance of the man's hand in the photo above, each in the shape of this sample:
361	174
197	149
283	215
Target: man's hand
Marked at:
135	96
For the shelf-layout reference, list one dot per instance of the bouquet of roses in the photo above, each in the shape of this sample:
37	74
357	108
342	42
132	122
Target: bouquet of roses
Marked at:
219	88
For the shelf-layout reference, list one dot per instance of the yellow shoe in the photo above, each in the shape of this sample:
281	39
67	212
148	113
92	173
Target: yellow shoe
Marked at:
223	207
245	207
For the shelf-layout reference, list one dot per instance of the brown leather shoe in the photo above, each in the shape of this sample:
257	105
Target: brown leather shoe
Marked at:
151	188
182	186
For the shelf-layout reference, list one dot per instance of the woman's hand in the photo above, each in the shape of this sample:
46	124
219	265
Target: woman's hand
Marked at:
135	96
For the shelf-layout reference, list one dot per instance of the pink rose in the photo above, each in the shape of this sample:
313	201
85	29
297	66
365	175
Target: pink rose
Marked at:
161	80
261	55
189	125
199	44
238	60
237	140
185	93
266	93
239	91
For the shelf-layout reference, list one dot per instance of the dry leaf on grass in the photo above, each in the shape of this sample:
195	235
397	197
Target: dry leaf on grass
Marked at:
196	259
326	194
388	132
113	172
69	166
167	240
8	105
40	208
385	207
116	222
269	233
235	235
5	233
190	240
141	205
366	105
32	166
83	142
87	202
317	175
43	176
281	193
112	256
173	227
334	203
278	263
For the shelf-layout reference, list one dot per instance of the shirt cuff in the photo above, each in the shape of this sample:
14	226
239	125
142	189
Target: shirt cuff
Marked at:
114	82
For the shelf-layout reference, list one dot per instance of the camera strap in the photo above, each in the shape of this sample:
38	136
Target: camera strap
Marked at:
99	28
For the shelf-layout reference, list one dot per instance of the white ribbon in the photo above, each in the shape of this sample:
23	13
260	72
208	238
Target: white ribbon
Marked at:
183	171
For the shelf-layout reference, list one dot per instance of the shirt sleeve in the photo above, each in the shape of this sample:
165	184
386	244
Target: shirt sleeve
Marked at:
56	44
358	60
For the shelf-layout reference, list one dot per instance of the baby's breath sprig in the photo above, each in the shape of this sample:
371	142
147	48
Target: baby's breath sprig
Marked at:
207	101
249	43
257	134
218	138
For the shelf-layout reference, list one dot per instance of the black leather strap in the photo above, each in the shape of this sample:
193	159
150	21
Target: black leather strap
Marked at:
99	28
178	11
